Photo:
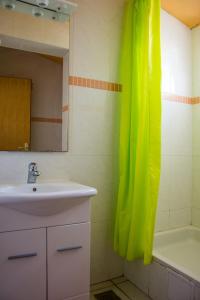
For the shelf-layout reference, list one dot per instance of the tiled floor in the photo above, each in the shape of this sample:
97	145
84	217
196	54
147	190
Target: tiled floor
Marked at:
122	288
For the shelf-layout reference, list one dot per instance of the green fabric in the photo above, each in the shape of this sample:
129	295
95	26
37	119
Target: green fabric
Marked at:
139	134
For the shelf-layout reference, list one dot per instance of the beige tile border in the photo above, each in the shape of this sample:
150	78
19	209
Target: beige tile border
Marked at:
176	98
50	120
46	120
116	87
195	100
95	84
180	99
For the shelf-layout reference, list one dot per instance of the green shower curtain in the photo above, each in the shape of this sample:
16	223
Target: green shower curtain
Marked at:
139	134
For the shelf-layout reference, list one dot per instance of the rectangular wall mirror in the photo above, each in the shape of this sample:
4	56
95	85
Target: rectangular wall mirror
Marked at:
34	60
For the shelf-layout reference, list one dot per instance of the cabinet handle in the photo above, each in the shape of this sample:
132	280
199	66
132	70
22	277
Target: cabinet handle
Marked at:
69	248
22	256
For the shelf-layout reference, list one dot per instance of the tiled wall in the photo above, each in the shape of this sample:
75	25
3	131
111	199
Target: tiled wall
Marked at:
96	31
95	38
196	123
174	206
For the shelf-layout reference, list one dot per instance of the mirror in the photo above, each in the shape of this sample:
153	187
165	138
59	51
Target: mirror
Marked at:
34	59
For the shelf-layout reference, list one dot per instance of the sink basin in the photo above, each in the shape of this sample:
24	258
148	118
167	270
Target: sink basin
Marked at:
44	198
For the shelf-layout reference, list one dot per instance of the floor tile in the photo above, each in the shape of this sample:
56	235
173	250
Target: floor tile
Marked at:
119	280
101	285
117	291
132	292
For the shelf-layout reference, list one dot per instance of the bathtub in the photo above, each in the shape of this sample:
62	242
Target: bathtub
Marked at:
175	271
180	249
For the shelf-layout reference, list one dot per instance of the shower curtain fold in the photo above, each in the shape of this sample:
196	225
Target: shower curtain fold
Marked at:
139	132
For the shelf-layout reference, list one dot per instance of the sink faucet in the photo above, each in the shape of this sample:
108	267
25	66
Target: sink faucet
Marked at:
33	173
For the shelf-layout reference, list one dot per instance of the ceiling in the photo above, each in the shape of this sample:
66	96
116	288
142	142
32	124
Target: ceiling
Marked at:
187	11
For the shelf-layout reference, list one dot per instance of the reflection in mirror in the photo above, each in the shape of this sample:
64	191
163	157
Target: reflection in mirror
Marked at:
30	101
34	59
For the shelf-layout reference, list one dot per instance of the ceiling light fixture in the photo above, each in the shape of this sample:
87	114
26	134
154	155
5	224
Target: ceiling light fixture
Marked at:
42	3
9	4
58	10
37	12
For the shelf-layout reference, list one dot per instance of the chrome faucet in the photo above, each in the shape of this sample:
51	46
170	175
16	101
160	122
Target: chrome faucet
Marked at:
33	172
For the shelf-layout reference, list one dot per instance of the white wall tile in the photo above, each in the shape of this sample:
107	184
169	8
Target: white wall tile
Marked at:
180	218
176	171
196	60
14	166
92	121
99	252
96	38
196	122
176	48
165	184
196	135
105	264
196	216
196	185
181	182
176	128
175	192
138	274
162	221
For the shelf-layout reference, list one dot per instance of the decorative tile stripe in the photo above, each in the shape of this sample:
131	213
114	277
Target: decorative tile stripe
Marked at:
65	108
95	84
177	98
195	100
181	99
46	120
116	87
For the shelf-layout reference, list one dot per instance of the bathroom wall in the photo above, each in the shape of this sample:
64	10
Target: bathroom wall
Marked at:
174	206
196	123
95	38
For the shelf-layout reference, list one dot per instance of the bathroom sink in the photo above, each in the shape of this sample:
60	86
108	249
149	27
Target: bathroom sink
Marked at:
44	198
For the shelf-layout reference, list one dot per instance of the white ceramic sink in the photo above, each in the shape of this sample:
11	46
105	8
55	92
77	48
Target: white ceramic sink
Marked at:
44	198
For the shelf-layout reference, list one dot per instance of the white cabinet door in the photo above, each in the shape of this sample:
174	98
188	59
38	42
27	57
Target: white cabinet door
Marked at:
68	261
23	265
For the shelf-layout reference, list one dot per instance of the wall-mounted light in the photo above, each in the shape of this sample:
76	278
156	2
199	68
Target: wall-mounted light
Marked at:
42	3
9	4
37	12
58	10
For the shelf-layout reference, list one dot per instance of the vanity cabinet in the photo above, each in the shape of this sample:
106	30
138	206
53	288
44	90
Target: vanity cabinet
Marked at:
23	265
49	263
68	261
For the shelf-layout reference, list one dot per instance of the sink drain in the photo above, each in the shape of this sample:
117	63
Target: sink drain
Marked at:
34	189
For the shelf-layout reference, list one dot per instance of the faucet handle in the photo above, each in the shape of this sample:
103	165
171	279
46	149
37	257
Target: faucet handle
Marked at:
32	172
36	173
32	163
32	166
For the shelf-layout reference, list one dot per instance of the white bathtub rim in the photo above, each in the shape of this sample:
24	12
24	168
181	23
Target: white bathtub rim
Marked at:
177	268
169	263
165	232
